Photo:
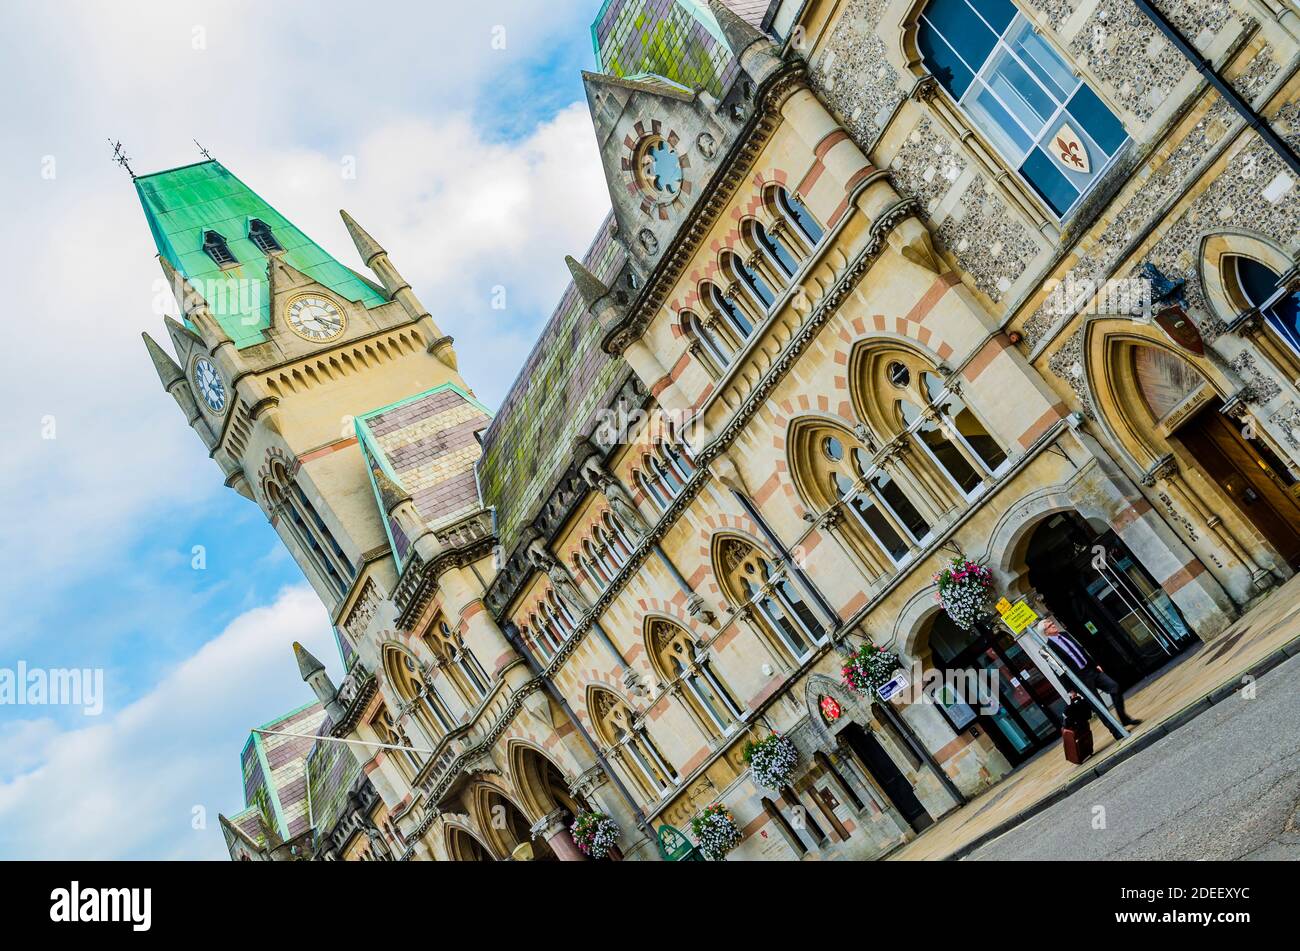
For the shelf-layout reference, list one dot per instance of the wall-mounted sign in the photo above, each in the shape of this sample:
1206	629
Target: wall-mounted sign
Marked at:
831	710
892	685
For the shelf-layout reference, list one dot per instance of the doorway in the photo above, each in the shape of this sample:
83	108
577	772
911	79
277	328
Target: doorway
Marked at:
1105	599
881	767
1260	484
1025	717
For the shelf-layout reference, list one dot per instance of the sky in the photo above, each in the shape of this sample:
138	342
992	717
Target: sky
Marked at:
475	166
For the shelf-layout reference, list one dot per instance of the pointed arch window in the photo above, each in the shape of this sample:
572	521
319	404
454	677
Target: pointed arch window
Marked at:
727	310
631	744
431	711
715	355
1022	94
782	612
674	657
757	288
321	553
408	763
215	247
260	233
1261	288
463	667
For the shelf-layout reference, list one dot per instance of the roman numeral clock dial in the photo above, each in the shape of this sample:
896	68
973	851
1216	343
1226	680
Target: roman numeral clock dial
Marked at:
315	318
208	384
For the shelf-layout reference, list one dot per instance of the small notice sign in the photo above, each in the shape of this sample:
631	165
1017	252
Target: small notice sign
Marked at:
892	685
1019	617
1003	606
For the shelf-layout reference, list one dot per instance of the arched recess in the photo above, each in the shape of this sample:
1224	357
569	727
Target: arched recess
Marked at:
505	825
628	743
540	783
1165	410
464	846
403	673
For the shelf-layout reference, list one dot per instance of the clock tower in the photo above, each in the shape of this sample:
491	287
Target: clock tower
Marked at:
279	352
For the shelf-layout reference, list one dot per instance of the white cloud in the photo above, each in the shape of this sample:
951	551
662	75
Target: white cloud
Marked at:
125	785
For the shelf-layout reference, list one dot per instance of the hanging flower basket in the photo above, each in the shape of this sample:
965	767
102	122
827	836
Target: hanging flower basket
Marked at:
964	589
595	834
715	831
772	761
869	668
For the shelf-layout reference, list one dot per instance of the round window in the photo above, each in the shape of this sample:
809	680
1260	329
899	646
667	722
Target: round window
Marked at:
659	169
898	374
833	448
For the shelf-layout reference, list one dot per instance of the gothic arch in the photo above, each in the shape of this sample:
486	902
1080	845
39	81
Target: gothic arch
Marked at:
540	784
871	393
462	844
1223	296
664	635
1110	346
818	686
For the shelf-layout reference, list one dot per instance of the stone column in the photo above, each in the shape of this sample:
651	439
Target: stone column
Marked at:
554	828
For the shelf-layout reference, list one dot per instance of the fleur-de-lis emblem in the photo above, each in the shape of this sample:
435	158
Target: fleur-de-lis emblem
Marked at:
1069	150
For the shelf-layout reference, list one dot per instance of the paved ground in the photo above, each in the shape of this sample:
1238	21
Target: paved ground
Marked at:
1225	786
1272	625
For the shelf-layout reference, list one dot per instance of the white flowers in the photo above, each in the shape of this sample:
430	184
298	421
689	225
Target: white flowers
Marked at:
715	831
772	761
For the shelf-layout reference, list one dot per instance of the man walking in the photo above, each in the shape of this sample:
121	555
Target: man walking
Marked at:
1074	658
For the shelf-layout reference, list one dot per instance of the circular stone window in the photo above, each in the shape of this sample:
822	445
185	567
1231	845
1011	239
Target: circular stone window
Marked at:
898	374
833	448
659	169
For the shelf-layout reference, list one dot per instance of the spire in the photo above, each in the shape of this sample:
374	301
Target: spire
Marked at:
589	286
739	33
391	495
367	247
169	372
307	664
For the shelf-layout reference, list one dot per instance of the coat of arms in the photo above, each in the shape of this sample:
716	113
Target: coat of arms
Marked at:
1069	150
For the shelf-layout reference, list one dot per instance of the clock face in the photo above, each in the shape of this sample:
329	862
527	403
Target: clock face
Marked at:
208	383
315	318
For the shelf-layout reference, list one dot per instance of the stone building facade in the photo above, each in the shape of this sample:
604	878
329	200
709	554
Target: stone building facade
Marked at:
892	282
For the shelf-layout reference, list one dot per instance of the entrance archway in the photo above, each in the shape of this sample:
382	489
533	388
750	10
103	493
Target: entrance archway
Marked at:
505	825
1105	598
544	792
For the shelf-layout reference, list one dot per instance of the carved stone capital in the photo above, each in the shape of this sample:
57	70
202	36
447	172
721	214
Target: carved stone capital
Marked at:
1163	468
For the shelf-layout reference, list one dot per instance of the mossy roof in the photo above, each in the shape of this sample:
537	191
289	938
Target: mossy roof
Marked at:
567	377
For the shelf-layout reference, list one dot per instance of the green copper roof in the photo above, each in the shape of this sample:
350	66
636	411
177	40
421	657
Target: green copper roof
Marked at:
181	204
679	40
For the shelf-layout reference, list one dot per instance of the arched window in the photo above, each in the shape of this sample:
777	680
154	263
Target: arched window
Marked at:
715	355
898	391
215	247
728	315
1259	287
673	656
796	213
1022	94
781	611
757	288
651	491
775	247
831	466
630	744
291	507
463	667
618	538
259	232
431	712
408	763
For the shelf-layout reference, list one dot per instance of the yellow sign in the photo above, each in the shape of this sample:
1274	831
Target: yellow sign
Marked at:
1019	617
1003	606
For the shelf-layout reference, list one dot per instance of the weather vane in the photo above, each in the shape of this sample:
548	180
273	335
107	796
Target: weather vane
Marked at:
120	156
202	151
